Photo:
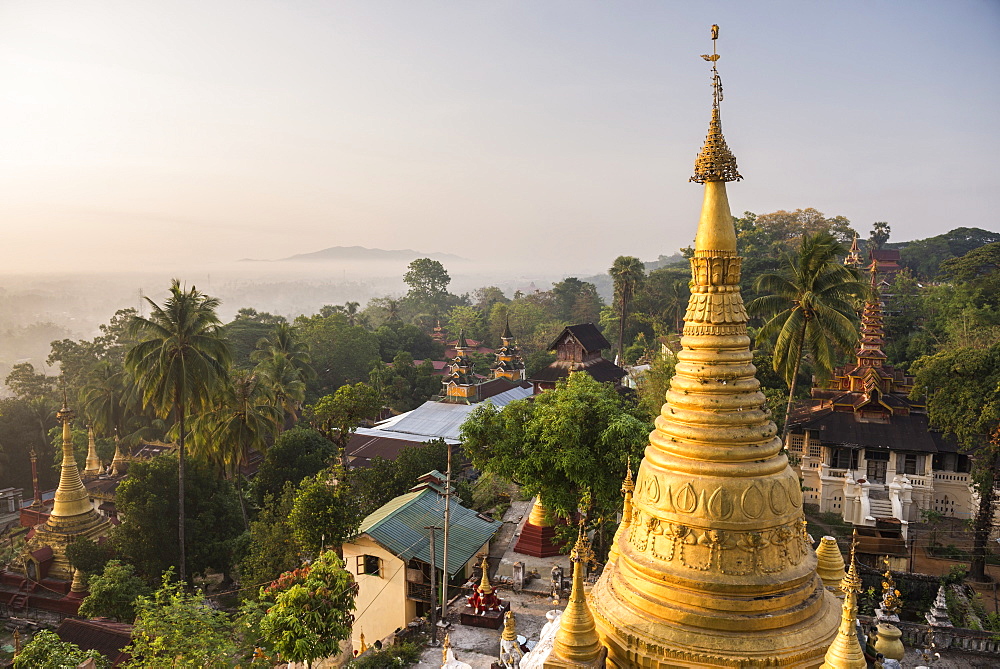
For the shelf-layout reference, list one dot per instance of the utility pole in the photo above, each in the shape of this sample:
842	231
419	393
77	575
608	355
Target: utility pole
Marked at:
433	589
447	518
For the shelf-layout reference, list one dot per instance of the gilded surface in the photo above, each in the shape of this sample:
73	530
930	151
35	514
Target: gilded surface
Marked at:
715	567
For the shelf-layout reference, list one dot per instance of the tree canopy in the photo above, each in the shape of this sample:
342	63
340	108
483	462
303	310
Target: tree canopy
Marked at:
575	438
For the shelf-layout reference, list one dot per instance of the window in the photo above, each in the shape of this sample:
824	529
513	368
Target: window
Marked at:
795	442
369	564
876	455
844	458
815	449
910	463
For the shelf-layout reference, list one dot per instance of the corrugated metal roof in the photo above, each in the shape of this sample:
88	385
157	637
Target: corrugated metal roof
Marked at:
399	527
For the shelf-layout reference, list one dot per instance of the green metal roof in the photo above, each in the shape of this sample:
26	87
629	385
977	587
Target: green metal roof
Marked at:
399	527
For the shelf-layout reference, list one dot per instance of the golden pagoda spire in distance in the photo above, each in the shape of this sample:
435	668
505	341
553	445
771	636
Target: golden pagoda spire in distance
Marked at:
577	643
845	652
716	568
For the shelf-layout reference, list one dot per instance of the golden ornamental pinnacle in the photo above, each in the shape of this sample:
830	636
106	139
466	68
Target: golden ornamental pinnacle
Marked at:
715	162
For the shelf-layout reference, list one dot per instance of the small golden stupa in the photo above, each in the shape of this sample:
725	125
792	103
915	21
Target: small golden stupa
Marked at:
72	515
830	565
845	651
716	568
577	643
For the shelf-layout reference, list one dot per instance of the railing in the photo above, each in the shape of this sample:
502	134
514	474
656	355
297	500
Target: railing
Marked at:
920	636
420	592
957	477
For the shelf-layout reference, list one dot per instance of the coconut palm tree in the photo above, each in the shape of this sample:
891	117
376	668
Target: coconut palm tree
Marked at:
811	307
181	358
287	389
104	398
283	361
244	418
627	274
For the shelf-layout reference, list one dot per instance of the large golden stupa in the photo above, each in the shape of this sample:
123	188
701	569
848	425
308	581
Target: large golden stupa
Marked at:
73	515
715	567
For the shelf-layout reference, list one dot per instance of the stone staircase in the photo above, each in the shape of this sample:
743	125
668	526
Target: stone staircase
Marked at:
880	508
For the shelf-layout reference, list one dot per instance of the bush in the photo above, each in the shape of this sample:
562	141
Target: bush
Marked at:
401	655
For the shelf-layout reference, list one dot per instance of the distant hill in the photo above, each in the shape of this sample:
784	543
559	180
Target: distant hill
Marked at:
924	256
356	253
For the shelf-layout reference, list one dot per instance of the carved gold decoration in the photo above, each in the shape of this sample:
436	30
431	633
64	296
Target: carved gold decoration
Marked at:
715	567
845	651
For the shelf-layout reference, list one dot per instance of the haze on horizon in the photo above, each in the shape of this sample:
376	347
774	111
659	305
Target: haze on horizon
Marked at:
556	135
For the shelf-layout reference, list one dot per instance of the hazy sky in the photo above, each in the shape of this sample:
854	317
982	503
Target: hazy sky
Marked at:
138	133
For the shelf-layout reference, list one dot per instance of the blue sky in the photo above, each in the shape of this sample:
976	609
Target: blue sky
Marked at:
138	133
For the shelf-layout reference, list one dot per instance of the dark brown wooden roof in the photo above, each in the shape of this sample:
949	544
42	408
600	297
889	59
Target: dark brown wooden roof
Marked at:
587	334
903	433
106	637
602	370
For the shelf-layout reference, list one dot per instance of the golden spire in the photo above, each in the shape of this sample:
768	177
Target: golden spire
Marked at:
93	462
576	642
484	583
118	461
716	567
445	647
628	489
845	651
830	564
509	627
362	646
72	498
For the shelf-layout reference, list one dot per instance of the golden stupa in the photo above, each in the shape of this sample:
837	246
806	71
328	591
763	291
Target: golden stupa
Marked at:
716	568
72	515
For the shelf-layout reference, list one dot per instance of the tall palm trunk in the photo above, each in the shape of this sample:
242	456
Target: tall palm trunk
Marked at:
621	331
182	564
795	381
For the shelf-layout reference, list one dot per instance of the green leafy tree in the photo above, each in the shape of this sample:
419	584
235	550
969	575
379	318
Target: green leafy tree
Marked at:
405	385
113	592
627	274
810	308
397	337
962	386
324	512
311	612
271	548
428	282
337	416
47	651
295	454
465	319
174	628
148	499
181	358
88	556
340	353
26	384
566	441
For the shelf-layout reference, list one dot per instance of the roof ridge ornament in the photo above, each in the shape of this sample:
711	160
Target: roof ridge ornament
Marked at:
715	162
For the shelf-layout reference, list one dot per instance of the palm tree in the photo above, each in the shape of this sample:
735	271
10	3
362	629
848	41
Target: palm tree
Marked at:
181	358
628	274
103	397
351	311
244	418
287	388
811	307
283	361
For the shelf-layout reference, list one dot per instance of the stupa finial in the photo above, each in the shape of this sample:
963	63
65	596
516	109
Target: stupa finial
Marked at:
715	162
